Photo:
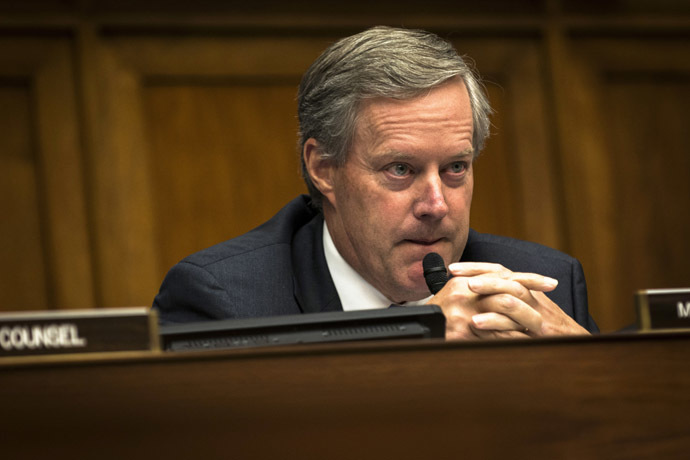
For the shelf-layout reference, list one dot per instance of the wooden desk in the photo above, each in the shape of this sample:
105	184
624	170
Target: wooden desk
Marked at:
600	397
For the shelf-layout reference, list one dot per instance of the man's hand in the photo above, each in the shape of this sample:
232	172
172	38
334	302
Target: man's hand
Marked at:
485	300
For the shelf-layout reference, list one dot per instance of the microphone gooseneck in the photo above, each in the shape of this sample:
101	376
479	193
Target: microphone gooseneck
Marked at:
435	273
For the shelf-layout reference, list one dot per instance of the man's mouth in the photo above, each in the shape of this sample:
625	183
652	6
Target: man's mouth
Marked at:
424	242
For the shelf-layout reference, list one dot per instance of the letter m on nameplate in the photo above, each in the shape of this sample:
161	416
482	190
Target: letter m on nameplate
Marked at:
683	309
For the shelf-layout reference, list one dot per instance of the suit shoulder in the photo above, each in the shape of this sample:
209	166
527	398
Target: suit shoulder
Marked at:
229	280
273	236
515	254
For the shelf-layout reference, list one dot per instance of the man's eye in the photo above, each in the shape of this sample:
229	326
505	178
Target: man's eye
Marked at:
458	167
399	169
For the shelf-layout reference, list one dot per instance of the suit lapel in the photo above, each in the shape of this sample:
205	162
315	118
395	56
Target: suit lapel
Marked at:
313	286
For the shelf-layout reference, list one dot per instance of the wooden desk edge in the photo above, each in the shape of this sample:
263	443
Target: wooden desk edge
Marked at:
359	347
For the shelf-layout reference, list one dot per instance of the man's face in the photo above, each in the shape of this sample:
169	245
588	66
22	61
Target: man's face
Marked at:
405	189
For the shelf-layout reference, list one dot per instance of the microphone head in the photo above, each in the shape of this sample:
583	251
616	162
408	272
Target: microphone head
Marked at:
435	273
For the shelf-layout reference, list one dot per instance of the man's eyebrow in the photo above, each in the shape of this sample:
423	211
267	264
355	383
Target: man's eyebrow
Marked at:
395	155
467	152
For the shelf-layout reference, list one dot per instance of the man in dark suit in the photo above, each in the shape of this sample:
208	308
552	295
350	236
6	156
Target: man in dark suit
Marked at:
391	121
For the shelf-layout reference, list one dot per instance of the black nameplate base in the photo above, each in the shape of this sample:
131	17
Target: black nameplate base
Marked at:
78	331
663	309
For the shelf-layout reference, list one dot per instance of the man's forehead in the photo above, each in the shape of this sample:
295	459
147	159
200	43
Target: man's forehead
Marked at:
416	106
391	127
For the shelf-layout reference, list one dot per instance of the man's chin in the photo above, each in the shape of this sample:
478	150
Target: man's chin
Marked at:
412	293
417	282
409	285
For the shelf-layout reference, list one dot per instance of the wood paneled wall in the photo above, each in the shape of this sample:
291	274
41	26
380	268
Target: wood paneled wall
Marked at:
135	133
44	236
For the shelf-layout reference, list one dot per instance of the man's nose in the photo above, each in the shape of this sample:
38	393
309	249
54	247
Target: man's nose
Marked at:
431	201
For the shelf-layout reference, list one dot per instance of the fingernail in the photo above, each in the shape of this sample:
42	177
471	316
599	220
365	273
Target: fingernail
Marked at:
455	266
550	282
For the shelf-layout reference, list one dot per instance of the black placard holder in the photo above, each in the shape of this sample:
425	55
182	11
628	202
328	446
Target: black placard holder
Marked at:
104	330
663	309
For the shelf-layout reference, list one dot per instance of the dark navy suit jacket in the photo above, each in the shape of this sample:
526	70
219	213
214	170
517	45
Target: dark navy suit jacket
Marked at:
279	268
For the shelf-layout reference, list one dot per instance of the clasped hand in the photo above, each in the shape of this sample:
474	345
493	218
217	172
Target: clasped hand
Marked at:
484	300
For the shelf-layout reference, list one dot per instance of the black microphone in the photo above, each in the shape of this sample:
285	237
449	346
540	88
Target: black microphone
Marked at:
435	273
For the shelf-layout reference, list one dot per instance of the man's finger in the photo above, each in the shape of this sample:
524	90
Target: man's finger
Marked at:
482	334
476	268
497	322
531	281
489	284
508	298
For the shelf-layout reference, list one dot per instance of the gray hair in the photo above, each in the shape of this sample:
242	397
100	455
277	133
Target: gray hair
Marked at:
379	62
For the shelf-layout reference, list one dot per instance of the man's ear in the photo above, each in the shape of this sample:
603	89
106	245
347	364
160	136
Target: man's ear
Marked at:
320	169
